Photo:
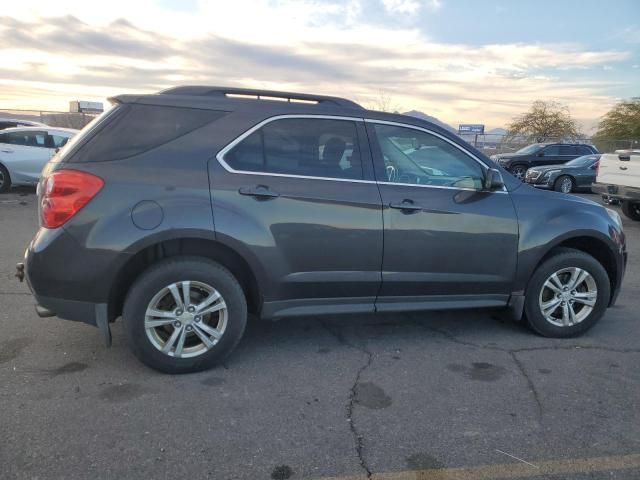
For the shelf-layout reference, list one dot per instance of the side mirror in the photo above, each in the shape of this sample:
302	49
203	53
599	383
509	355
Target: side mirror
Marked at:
493	180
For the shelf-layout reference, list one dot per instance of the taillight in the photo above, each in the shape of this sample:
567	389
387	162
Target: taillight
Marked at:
64	193
597	168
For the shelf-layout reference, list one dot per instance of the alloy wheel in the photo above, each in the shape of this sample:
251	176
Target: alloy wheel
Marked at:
568	296
186	319
519	172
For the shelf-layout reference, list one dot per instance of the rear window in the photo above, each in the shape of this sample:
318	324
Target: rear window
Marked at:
135	129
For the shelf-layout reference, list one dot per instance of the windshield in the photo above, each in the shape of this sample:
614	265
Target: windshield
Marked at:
531	148
583	161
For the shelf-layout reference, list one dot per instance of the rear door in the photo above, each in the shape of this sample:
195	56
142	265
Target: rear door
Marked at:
297	195
447	242
550	156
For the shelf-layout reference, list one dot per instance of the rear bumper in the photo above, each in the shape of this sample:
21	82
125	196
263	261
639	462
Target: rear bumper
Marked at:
618	192
68	280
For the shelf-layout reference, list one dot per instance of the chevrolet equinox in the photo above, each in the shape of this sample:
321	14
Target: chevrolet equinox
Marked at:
184	211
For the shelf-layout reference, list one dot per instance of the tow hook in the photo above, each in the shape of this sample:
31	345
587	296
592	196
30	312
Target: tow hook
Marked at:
20	272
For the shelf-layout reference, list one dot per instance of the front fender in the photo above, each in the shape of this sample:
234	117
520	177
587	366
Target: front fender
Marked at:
549	219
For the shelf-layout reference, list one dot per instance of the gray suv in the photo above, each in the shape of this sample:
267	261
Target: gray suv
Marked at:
184	211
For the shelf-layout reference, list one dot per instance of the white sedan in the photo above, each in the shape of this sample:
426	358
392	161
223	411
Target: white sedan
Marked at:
24	151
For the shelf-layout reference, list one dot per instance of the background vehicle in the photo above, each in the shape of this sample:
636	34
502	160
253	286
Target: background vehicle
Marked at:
182	211
17	122
619	178
25	151
576	174
541	154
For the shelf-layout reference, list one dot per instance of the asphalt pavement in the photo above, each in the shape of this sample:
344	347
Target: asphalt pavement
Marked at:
439	395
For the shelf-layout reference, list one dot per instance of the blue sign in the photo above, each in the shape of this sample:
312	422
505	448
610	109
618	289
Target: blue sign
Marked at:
471	128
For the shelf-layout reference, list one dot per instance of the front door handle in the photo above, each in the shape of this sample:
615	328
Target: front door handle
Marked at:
260	191
623	168
406	206
6	151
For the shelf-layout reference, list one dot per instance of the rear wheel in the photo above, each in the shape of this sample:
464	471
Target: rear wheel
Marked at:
567	294
5	179
519	171
631	210
184	314
563	184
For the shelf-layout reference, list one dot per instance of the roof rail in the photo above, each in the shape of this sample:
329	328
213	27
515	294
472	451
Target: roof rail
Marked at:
257	94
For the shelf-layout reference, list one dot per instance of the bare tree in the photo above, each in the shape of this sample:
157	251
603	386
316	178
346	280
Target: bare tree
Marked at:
544	121
383	102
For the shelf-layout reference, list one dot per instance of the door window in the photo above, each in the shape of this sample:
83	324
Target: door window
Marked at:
58	141
552	150
308	147
26	139
582	150
419	158
567	150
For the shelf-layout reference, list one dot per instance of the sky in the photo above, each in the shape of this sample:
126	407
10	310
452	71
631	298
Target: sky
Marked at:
462	61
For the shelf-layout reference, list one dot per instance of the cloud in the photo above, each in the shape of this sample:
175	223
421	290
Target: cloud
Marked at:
71	58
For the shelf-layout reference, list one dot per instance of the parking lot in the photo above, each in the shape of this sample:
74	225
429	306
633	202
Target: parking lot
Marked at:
439	395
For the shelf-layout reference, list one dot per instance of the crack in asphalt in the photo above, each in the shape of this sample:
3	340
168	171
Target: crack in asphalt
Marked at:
532	386
358	438
513	352
15	293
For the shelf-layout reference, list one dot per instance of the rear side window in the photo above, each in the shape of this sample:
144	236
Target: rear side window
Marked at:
583	150
567	150
301	146
552	150
136	129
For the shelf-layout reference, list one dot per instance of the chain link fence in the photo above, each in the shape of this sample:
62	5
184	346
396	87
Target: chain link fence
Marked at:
497	143
51	118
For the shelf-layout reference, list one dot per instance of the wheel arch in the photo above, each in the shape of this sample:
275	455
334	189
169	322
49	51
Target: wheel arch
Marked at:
590	244
212	249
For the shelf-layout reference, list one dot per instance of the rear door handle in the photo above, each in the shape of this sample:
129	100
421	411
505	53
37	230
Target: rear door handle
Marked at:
406	205
6	151
260	191
623	168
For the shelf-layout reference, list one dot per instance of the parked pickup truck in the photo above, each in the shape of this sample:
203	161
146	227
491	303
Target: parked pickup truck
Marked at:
619	179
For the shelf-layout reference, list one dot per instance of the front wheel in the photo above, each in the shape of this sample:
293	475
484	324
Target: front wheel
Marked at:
631	210
567	294
519	171
184	314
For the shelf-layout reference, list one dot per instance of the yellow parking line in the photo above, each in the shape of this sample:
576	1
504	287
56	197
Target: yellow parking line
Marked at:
510	470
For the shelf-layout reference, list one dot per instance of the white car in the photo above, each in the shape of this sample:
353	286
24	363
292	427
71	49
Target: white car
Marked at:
24	152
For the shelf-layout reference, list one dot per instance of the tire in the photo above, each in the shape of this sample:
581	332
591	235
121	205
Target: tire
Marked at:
519	171
631	210
538	294
153	288
5	179
564	184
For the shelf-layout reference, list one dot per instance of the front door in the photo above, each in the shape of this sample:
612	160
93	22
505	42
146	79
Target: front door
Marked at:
447	242
299	196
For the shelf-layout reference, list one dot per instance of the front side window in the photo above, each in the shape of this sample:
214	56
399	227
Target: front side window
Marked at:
300	146
416	157
58	141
